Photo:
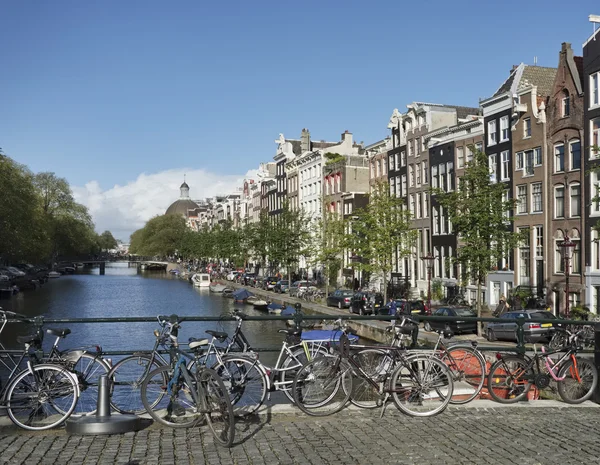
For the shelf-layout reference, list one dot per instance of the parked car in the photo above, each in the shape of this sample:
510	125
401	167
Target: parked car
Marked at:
534	331
455	326
296	285
282	286
270	283
340	298
419	307
366	303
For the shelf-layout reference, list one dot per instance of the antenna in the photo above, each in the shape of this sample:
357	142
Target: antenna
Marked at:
596	20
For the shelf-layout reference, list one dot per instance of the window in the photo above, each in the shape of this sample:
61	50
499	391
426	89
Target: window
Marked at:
522	199
411	175
412	204
434	177
575	154
403	158
469	155
460	157
411	151
559	158
443	182
594	91
396	161
425	172
479	146
392	187
528	163
418	210
398	187
559	202
559	263
594	193
492	132
436	221
524	257
378	168
504	129
566	104
527	127
505	165
575	204
595	250
493	167
450	174
425	205
536	197
537	156
418	173
595	137
417	146
575	261
520	163
539	242
403	185
391	162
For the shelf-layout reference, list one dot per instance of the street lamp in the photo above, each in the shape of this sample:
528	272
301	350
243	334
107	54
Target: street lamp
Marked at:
567	247
428	259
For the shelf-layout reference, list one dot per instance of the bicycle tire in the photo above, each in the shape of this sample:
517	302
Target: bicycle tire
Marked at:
421	386
467	366
25	400
88	370
176	409
377	364
573	390
316	388
127	376
246	383
558	339
509	379
290	366
220	411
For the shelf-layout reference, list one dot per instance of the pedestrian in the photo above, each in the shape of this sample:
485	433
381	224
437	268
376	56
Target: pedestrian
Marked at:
393	307
502	307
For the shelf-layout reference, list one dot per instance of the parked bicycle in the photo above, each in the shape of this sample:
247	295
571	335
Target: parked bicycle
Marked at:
512	376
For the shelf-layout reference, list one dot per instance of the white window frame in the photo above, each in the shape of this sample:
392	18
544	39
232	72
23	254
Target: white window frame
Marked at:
565	107
492	133
541	197
594	192
460	157
520	165
504	129
537	156
493	167
505	165
595	89
594	137
526	128
539	241
425	175
557	158
522	199
574	212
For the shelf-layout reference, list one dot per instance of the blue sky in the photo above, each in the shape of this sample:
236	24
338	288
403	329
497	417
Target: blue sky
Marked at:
104	91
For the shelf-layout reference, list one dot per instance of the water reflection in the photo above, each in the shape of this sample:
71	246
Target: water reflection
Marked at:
123	291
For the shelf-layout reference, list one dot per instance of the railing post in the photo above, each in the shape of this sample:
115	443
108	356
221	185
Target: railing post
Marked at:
597	359
520	335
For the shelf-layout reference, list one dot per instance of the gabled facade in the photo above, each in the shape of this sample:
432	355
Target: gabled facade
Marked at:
591	165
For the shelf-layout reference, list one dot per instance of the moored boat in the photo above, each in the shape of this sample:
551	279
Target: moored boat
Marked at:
258	304
217	287
201	280
54	274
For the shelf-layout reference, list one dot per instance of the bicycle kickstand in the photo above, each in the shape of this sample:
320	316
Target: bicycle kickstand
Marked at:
384	404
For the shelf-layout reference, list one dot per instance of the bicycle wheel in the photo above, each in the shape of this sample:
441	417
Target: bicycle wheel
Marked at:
377	365
468	373
316	388
88	370
127	376
42	398
292	364
217	407
172	403
246	383
421	386
579	381
558	339
509	379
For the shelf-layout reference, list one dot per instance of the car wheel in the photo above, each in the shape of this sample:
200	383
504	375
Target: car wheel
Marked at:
427	326
490	335
340	305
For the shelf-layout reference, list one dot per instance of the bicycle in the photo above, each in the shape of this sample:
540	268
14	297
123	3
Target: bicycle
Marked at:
41	396
561	335
186	397
420	384
512	376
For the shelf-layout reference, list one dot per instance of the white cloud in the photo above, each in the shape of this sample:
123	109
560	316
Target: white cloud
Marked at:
123	209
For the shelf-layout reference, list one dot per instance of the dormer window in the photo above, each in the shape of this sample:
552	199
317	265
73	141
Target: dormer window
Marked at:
566	104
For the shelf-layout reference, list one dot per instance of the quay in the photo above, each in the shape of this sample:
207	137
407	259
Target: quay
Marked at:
482	432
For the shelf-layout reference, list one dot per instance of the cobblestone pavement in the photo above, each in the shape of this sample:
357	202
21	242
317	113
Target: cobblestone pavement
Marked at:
476	435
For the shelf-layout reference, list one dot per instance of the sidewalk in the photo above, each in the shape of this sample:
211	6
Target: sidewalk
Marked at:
482	432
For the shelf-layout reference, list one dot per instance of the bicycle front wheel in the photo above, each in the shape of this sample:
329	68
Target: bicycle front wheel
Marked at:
296	359
42	398
316	388
579	381
246	384
509	379
217	407
127	376
468	373
170	403
421	386
88	370
377	365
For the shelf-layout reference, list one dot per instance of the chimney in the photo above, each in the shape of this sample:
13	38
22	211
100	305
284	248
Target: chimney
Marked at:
347	137
305	141
513	68
565	46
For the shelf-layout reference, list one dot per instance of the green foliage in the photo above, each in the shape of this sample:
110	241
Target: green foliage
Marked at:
162	235
437	289
579	313
329	245
478	214
380	229
106	241
332	158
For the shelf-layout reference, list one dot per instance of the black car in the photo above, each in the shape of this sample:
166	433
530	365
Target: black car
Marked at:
455	326
366	303
340	298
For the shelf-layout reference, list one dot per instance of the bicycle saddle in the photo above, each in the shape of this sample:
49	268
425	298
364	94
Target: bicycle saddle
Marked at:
195	343
30	338
291	332
221	336
59	332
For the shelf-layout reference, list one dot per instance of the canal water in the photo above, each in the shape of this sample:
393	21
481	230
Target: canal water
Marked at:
123	291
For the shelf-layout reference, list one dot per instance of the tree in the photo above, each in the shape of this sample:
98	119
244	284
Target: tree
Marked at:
106	241
480	217
380	230
161	235
330	244
259	237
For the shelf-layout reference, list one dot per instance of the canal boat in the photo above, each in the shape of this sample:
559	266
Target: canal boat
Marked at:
201	280
258	303
217	287
54	274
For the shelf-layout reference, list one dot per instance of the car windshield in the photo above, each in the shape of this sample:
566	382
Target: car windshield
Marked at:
347	293
464	312
284	283
542	316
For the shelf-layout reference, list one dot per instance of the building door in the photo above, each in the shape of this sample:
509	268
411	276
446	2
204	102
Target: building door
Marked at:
539	277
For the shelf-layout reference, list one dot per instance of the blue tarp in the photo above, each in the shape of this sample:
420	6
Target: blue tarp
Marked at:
242	294
288	311
325	335
274	306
